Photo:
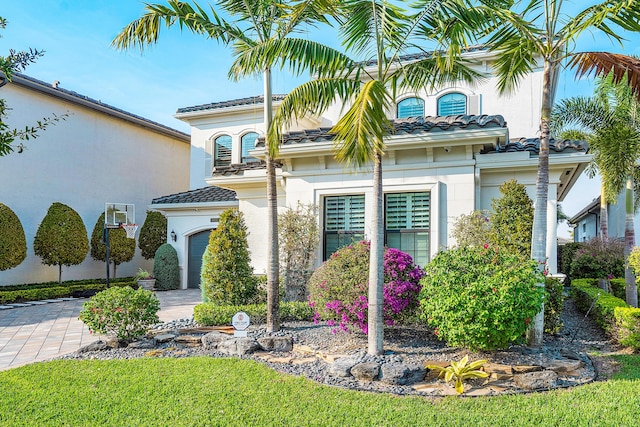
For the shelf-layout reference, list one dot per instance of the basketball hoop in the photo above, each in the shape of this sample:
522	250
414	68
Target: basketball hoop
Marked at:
130	229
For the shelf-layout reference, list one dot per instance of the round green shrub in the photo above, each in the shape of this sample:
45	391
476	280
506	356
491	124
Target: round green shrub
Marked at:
166	268
121	248
338	289
226	277
13	244
122	311
61	238
481	298
153	233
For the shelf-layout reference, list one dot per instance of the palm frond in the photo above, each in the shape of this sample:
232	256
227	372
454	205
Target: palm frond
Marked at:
624	68
361	130
430	73
309	98
300	55
623	14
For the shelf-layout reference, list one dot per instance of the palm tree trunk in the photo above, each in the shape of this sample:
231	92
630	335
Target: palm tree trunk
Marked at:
273	268
629	242
539	231
604	215
376	274
60	273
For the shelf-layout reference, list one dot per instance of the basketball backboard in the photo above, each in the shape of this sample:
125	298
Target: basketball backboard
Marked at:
116	214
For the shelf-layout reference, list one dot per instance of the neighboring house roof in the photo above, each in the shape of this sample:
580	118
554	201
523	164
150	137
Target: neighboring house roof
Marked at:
85	101
533	145
410	125
226	104
590	209
201	195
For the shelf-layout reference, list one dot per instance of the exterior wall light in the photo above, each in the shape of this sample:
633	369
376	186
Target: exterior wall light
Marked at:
174	236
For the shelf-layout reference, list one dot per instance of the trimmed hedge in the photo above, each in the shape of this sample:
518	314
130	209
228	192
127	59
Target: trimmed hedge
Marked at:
611	313
209	314
50	290
619	288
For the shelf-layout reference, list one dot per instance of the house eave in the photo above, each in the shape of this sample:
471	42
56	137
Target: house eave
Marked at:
192	206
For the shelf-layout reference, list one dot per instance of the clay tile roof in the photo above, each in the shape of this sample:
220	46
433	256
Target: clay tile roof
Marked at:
235	169
226	104
533	145
201	195
408	126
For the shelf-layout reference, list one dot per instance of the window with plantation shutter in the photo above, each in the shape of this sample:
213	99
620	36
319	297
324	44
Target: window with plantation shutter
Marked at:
222	146
410	107
343	222
452	104
407	219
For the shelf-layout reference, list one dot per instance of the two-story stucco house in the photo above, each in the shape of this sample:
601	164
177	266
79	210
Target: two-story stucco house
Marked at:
450	151
98	154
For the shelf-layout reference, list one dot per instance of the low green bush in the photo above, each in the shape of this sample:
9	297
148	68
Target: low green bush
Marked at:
553	305
166	268
52	290
599	258
123	312
611	313
628	322
481	298
209	314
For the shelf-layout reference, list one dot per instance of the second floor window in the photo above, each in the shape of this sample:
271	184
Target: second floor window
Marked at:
248	142
452	104
222	154
410	107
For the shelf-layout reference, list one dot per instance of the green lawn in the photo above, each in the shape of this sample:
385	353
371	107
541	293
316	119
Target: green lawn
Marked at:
204	391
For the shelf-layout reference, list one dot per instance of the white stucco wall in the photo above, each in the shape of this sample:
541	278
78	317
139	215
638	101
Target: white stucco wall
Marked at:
83	162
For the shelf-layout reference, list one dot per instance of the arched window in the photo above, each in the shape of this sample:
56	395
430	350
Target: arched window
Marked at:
222	154
452	104
410	107
248	142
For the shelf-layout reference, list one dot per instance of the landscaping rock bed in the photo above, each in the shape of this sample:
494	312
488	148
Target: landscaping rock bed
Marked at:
339	359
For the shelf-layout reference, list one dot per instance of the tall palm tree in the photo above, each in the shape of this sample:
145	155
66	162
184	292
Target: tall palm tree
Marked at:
535	30
261	36
611	123
379	32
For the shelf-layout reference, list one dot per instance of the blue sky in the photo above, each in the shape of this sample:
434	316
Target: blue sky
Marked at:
182	69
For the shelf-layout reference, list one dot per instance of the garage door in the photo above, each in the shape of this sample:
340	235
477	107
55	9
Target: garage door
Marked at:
197	244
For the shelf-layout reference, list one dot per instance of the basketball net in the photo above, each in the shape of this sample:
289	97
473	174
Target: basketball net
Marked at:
130	229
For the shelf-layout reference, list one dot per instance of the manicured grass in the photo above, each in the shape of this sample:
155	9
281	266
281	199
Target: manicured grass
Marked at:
230	392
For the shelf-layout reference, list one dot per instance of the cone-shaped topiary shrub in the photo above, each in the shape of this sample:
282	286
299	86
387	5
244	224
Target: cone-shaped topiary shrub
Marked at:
166	268
61	238
13	244
226	276
121	248
152	234
512	219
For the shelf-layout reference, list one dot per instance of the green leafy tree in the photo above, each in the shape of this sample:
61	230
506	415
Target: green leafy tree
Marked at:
473	229
261	36
166	268
152	234
13	244
541	33
512	219
378	33
610	122
121	248
226	276
61	238
15	62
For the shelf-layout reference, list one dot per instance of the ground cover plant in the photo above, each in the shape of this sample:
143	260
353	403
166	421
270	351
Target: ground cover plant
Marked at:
231	392
338	288
481	298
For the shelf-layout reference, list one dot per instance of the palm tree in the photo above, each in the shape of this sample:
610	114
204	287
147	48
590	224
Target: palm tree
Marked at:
611	123
543	30
260	36
379	32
